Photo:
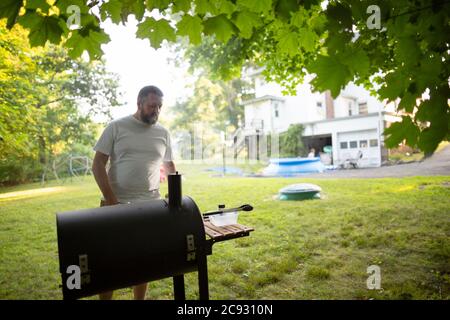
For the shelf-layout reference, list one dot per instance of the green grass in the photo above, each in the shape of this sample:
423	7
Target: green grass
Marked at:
414	156
406	158
314	249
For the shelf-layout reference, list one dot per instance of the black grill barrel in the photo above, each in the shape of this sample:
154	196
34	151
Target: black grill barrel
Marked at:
128	244
119	246
175	192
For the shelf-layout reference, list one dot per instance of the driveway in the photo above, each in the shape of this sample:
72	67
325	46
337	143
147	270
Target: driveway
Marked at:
436	165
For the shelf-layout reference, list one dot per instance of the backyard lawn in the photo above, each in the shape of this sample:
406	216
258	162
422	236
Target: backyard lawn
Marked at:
315	249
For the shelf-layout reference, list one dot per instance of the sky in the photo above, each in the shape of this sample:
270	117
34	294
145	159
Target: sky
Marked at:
138	65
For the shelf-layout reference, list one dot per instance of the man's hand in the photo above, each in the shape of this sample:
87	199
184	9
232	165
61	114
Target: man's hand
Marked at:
169	167
99	171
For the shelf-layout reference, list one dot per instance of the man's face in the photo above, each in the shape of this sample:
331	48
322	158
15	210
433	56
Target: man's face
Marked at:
150	108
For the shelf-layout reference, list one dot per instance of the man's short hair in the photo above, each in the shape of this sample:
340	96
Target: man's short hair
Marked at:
145	91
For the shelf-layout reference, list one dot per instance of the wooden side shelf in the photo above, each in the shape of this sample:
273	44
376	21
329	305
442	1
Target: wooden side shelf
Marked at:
228	232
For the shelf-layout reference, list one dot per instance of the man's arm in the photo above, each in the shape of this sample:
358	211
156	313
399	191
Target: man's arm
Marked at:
169	167
99	171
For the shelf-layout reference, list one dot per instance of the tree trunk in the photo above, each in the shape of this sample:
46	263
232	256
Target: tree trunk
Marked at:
42	151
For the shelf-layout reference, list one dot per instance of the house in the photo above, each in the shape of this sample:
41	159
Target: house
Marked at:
353	123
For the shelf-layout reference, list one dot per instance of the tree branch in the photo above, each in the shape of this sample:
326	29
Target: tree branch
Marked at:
49	102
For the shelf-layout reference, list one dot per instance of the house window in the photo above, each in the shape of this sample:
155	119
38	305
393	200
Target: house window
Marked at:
363	108
275	108
319	104
363	143
353	144
350	109
373	143
344	145
262	82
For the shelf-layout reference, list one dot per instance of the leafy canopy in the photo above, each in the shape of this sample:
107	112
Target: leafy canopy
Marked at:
47	100
400	61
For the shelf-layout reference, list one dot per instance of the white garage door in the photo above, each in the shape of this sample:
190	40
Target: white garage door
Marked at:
350	143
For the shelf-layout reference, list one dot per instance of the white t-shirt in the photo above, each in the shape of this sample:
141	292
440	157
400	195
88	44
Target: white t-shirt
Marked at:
136	151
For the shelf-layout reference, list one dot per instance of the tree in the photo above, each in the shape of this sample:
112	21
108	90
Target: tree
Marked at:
291	144
396	48
205	113
42	92
224	96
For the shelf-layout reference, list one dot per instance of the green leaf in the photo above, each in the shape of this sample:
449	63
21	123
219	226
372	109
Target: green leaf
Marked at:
408	102
220	26
331	74
76	44
135	7
288	43
92	43
157	4
64	4
10	9
434	109
401	23
285	8
399	131
430	137
38	4
30	20
42	28
394	86
259	6
307	39
192	27
407	51
356	60
246	21
225	6
181	5
138	9
361	63
336	41
112	9
339	16
428	74
205	6
156	31
299	18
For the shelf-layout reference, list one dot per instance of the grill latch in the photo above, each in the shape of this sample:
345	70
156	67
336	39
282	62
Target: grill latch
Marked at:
190	247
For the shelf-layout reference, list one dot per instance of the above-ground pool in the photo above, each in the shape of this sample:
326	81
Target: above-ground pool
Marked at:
293	166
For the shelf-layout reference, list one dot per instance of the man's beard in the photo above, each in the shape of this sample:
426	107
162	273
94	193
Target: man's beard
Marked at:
149	119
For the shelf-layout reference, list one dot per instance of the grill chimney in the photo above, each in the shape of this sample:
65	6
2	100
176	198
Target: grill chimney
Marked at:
175	195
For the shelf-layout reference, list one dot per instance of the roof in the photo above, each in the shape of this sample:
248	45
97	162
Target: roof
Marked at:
357	116
263	98
252	72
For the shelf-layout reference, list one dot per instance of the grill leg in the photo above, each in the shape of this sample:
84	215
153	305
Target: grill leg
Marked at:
178	288
203	277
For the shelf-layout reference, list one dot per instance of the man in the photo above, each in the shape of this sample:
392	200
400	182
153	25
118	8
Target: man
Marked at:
136	146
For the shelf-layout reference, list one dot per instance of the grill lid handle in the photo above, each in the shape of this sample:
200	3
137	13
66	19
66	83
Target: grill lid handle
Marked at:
244	207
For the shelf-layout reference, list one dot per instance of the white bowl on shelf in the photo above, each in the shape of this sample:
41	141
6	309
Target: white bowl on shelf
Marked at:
224	219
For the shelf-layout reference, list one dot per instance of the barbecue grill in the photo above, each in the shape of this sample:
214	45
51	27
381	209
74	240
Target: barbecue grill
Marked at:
127	244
